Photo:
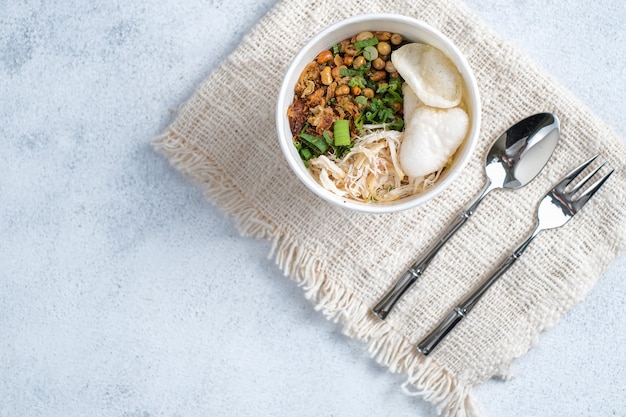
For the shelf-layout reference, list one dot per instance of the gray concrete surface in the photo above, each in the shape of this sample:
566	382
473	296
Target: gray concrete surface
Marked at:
123	293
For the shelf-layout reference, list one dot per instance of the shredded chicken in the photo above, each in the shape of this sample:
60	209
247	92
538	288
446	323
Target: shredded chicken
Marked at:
371	170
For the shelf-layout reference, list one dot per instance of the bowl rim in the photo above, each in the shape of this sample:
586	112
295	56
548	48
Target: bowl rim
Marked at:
285	97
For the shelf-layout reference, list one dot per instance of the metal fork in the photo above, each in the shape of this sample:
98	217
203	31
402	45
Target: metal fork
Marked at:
555	209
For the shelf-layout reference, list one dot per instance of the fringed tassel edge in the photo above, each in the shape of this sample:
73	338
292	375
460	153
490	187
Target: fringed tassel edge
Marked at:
386	345
218	188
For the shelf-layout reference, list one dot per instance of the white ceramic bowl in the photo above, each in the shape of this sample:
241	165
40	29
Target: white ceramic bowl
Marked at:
412	30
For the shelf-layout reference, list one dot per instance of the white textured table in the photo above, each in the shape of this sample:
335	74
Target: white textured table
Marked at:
124	293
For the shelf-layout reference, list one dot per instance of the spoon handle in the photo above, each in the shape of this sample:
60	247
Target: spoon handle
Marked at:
389	300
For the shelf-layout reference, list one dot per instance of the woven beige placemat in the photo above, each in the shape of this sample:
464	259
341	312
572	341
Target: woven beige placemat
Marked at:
224	138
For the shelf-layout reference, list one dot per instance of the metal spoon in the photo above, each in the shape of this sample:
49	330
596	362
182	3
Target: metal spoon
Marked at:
515	158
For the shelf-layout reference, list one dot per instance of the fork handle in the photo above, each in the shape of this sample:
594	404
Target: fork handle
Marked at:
445	326
460	312
389	300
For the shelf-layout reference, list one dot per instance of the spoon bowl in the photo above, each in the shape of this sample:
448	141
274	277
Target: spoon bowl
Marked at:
515	158
520	153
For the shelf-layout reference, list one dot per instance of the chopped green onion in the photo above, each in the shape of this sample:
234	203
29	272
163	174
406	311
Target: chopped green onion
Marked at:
348	72
359	121
319	144
357	80
328	138
306	154
360	99
393	96
387	114
370	53
341	129
335	49
367	42
395	83
397	124
382	88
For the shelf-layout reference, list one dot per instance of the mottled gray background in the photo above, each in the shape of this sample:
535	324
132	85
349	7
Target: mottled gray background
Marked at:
123	293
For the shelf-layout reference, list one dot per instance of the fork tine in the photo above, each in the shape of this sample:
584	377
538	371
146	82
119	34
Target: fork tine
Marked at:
575	172
584	197
585	180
